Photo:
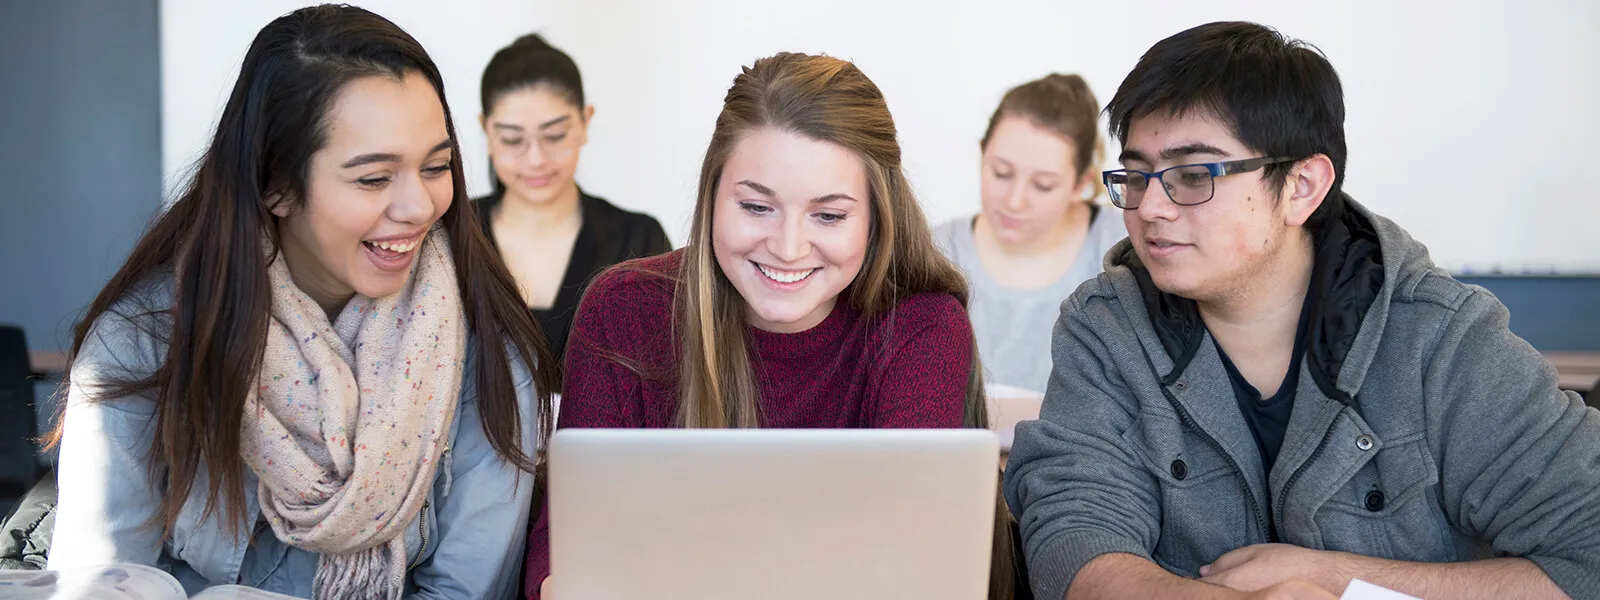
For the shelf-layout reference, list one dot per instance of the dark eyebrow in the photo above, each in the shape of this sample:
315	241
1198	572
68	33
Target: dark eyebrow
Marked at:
1191	149
367	159
1174	152
556	121
377	157
831	198
760	189
766	191
547	124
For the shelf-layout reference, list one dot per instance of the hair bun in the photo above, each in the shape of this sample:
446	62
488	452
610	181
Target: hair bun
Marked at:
1061	82
532	40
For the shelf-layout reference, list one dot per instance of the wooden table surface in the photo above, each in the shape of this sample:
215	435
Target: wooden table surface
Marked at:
49	362
1578	370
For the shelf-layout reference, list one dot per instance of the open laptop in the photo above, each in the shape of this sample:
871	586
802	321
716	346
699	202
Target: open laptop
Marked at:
771	514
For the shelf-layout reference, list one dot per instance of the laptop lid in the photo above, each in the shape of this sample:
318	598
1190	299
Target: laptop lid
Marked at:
773	514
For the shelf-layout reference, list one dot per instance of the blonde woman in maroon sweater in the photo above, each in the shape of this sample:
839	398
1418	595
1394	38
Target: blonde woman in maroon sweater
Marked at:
810	293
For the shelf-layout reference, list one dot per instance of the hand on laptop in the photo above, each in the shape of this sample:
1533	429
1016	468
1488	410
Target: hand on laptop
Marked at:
544	589
1263	565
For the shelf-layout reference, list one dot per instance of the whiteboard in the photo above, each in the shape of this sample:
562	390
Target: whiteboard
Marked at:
1470	123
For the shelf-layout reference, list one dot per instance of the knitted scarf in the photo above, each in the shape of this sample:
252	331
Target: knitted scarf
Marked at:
349	419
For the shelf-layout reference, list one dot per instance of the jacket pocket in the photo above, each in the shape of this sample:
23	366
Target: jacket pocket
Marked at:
1390	507
422	535
1204	507
266	556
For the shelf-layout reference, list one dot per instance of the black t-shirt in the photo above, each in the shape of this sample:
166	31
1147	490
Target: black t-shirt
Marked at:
1268	418
608	235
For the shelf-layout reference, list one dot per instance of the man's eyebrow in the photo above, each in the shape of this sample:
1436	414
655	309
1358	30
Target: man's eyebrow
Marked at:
1173	152
1191	149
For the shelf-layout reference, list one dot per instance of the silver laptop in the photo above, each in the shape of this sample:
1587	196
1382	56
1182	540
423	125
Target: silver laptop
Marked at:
771	514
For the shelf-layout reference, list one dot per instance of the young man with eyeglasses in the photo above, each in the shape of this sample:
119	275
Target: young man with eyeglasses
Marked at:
1272	390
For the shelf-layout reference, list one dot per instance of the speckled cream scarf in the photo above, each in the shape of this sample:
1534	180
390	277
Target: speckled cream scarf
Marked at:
349	419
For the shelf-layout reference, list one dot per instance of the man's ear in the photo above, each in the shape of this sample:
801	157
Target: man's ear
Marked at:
1307	188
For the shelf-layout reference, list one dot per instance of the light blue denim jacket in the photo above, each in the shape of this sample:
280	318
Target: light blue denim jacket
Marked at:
467	542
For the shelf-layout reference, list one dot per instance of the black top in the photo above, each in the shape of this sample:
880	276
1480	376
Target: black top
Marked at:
1268	418
608	235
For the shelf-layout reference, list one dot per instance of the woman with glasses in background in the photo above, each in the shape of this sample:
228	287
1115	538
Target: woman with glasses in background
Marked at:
553	237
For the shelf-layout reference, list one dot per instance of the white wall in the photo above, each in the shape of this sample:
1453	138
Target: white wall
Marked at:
204	41
1469	122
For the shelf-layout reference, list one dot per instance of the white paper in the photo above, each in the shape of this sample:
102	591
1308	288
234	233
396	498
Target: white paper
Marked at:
111	582
238	592
28	585
1008	406
114	582
1361	590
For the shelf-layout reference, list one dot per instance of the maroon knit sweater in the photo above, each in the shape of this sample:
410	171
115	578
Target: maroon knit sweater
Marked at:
908	369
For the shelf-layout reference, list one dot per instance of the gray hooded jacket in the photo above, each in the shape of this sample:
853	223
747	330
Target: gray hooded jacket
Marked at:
1422	430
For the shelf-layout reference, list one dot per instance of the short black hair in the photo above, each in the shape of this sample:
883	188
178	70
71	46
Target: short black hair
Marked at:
1279	96
528	62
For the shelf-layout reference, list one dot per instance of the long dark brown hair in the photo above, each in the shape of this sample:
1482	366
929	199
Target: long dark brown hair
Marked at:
210	244
830	100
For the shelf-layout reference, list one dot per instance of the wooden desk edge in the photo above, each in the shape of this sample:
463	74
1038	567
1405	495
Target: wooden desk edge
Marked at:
1575	361
1578	370
50	362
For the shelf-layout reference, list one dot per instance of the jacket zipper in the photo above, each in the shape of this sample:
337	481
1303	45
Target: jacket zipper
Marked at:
1255	507
422	528
1277	513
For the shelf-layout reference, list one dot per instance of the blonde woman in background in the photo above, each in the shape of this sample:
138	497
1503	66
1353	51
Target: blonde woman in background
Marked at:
1040	233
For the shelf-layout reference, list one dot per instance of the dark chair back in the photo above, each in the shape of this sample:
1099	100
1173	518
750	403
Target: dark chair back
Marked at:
19	459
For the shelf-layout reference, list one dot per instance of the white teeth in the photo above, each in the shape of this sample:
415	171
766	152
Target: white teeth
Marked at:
784	276
396	246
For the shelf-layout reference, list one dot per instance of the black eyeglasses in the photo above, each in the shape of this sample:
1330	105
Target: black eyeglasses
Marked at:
1194	184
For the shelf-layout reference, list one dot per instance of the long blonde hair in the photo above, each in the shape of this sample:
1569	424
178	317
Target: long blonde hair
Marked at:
830	100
